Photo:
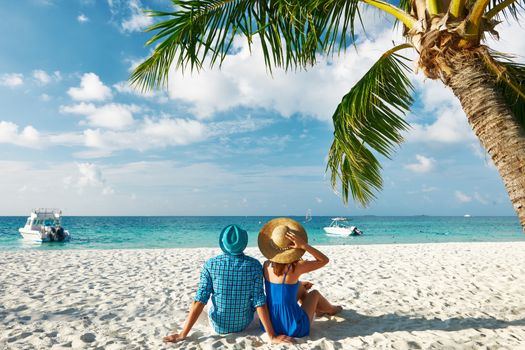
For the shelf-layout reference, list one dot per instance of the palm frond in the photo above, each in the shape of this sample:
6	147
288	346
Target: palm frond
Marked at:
510	82
369	120
290	32
405	5
506	8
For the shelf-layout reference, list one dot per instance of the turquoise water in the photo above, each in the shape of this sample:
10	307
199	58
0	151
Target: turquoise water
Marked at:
198	231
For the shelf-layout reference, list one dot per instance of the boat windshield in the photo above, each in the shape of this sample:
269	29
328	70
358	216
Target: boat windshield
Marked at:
50	222
46	222
337	222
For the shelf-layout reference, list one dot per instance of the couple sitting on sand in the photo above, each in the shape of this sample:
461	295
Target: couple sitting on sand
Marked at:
235	283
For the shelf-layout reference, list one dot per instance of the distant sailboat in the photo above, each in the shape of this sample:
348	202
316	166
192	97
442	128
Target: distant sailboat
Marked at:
308	216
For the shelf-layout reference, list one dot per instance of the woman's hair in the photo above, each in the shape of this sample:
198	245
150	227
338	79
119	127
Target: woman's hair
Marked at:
279	268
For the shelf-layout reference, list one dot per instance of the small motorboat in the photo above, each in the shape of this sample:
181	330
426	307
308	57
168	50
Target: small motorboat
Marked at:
44	225
340	228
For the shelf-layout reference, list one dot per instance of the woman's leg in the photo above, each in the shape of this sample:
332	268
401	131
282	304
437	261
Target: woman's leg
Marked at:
325	307
315	303
310	302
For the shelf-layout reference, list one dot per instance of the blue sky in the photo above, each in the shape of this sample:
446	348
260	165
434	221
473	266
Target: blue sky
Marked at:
233	141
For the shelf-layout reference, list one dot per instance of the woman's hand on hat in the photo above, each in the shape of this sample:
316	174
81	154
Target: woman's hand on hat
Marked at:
297	242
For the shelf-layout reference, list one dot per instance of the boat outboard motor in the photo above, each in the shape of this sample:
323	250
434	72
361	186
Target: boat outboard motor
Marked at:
356	231
60	234
51	233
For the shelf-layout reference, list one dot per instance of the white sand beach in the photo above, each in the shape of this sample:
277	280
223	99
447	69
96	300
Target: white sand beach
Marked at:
421	296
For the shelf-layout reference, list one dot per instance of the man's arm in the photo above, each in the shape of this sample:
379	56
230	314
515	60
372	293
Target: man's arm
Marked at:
200	300
195	311
262	311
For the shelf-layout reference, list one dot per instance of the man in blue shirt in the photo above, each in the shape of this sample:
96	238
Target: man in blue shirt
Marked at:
234	282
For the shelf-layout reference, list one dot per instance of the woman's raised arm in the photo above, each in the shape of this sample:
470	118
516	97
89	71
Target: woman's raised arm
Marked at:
307	266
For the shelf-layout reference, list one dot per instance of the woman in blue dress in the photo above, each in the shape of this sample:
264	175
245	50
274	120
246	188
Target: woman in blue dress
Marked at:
292	306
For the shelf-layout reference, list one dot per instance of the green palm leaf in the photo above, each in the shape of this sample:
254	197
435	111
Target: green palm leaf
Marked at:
369	120
505	8
290	32
510	82
516	76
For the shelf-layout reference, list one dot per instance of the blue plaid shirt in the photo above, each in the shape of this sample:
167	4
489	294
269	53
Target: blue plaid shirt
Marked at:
235	284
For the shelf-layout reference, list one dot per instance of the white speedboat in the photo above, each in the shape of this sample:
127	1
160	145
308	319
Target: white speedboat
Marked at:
44	225
340	228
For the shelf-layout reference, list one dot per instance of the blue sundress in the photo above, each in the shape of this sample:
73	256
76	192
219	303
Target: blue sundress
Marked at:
286	315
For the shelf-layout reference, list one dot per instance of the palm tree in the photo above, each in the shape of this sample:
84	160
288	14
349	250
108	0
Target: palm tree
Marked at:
446	35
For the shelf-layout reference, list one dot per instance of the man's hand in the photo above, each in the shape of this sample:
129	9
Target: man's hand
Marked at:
173	338
282	339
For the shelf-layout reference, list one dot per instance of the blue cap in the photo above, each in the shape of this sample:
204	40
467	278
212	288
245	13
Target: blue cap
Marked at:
233	240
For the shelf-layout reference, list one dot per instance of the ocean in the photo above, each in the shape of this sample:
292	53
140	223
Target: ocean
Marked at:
132	232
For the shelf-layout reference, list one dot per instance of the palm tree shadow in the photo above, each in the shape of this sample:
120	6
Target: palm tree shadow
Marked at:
350	323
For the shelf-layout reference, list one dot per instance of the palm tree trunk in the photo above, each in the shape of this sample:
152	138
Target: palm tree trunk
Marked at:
492	121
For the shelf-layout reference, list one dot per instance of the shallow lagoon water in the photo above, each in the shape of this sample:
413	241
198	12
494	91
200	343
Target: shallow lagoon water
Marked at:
121	232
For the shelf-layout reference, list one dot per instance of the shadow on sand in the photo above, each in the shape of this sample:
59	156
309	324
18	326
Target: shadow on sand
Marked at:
355	324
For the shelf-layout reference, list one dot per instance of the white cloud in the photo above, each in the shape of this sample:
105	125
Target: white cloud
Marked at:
82	18
246	124
150	134
423	164
123	87
480	153
173	131
91	89
110	116
80	108
130	14
508	31
434	94
79	188
45	98
113	116
462	197
450	126
43	78
318	200
444	120
244	81
11	80
449	123
90	175
426	189
29	137
481	198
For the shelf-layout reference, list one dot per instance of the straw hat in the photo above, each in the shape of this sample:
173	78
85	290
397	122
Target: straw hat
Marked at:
273	243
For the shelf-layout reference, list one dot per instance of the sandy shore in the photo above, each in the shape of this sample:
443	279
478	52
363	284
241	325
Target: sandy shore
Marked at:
424	296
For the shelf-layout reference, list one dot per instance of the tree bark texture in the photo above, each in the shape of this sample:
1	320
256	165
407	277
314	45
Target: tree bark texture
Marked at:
493	122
